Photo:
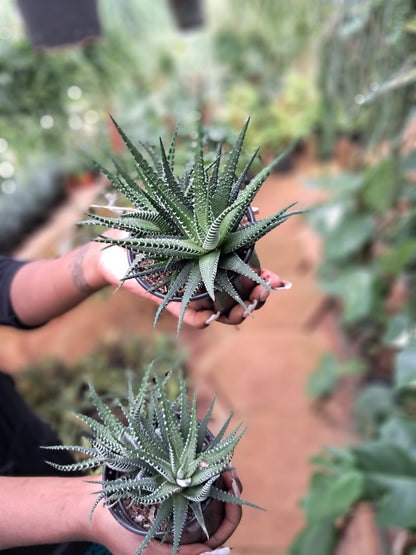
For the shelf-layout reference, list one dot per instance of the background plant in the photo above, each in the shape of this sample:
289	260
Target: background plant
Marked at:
366	70
54	388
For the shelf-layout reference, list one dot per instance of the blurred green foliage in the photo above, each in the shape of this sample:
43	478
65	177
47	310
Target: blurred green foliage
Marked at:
55	389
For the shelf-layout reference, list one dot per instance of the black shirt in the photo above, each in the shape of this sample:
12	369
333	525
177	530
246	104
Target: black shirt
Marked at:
8	268
22	432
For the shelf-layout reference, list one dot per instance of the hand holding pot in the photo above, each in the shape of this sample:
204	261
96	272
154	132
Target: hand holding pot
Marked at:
107	531
113	265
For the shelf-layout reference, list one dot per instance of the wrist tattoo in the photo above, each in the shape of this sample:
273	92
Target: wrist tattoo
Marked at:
77	271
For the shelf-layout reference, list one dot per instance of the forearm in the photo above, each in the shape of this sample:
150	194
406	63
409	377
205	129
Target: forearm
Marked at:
40	510
43	289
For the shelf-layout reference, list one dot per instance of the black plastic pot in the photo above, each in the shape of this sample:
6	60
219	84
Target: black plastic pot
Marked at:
188	14
223	302
55	23
213	511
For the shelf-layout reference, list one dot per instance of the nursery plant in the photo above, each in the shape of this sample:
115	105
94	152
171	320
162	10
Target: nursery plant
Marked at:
192	233
162	466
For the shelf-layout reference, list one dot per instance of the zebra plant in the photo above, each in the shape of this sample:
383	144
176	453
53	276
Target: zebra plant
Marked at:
190	231
162	455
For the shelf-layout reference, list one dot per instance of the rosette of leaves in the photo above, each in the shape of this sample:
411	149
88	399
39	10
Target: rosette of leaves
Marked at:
161	454
190	230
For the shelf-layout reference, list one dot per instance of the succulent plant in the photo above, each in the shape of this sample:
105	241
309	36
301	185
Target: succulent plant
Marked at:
191	230
162	455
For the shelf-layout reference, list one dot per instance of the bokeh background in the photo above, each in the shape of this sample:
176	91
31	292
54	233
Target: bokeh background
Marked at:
331	361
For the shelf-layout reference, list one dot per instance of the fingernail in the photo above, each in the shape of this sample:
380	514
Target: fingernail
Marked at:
236	489
212	318
265	293
220	551
250	308
283	285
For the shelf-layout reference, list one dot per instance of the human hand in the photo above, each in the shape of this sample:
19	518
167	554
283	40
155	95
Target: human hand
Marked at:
113	265
119	541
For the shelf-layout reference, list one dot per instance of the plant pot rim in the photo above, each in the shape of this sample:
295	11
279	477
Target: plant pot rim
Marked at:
200	296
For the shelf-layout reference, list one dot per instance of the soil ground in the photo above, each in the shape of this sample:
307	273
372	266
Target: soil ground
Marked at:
258	369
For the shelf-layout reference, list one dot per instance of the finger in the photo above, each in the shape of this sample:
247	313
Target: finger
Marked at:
233	513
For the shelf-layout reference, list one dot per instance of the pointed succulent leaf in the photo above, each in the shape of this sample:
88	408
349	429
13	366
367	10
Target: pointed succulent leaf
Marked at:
251	233
177	284
200	492
137	401
221	198
163	513
208	265
223	282
82	466
170	179
217	229
194	281
162	246
188	454
169	423
201	191
241	180
172	151
114	425
131	224
184	409
234	263
210	472
180	510
130	190
203	426
154	185
249	192
147	174
229	498
163	492
197	510
213	178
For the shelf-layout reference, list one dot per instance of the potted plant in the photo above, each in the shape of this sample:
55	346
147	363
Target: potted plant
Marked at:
56	23
193	234
161	465
188	14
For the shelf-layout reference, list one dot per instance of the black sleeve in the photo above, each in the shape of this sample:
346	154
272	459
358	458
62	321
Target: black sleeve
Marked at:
8	268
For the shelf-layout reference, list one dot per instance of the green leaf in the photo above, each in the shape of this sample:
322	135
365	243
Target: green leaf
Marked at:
399	330
398	257
380	186
390	477
405	370
318	537
372	407
348	237
331	497
400	430
324	379
355	288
